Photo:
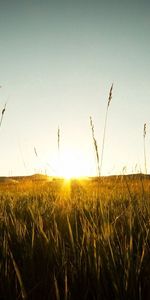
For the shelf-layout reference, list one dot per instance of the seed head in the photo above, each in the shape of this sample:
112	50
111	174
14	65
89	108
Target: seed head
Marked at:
110	95
144	130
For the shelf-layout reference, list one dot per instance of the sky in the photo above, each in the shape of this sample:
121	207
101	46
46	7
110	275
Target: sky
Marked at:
58	60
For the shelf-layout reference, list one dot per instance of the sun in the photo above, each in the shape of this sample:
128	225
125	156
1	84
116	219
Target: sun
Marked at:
71	165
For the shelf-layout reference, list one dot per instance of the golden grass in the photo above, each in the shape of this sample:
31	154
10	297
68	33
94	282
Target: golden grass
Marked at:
85	240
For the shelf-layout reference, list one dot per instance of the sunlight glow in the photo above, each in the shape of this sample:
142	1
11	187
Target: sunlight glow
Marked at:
71	165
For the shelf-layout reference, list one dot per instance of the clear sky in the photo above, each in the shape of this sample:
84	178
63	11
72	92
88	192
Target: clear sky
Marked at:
58	60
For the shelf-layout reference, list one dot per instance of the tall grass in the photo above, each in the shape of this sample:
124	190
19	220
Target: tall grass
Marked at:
60	245
144	137
95	146
100	160
105	125
58	138
2	114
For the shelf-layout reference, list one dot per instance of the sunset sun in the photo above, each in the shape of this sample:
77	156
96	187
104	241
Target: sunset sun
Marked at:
71	165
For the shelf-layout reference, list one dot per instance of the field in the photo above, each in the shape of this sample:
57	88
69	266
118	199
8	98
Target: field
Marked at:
75	240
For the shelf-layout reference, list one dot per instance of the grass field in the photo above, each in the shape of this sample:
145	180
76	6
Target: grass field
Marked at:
75	240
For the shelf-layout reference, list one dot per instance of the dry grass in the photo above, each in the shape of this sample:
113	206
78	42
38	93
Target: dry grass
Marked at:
105	125
58	243
95	146
2	114
144	137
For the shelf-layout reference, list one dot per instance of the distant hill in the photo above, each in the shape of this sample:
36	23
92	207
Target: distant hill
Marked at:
41	177
137	176
34	177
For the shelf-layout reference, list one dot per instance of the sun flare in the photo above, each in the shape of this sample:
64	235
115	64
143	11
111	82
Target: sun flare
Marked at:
71	165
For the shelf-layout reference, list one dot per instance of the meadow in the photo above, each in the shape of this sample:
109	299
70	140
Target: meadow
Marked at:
75	239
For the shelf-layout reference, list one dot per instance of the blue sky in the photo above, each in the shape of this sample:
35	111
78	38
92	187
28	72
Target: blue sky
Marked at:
58	60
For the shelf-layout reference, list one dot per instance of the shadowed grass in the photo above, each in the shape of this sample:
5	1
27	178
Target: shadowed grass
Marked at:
62	245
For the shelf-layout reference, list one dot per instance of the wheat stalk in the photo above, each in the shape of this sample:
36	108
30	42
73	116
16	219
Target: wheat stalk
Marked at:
95	146
105	124
58	147
35	151
144	137
2	114
58	138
